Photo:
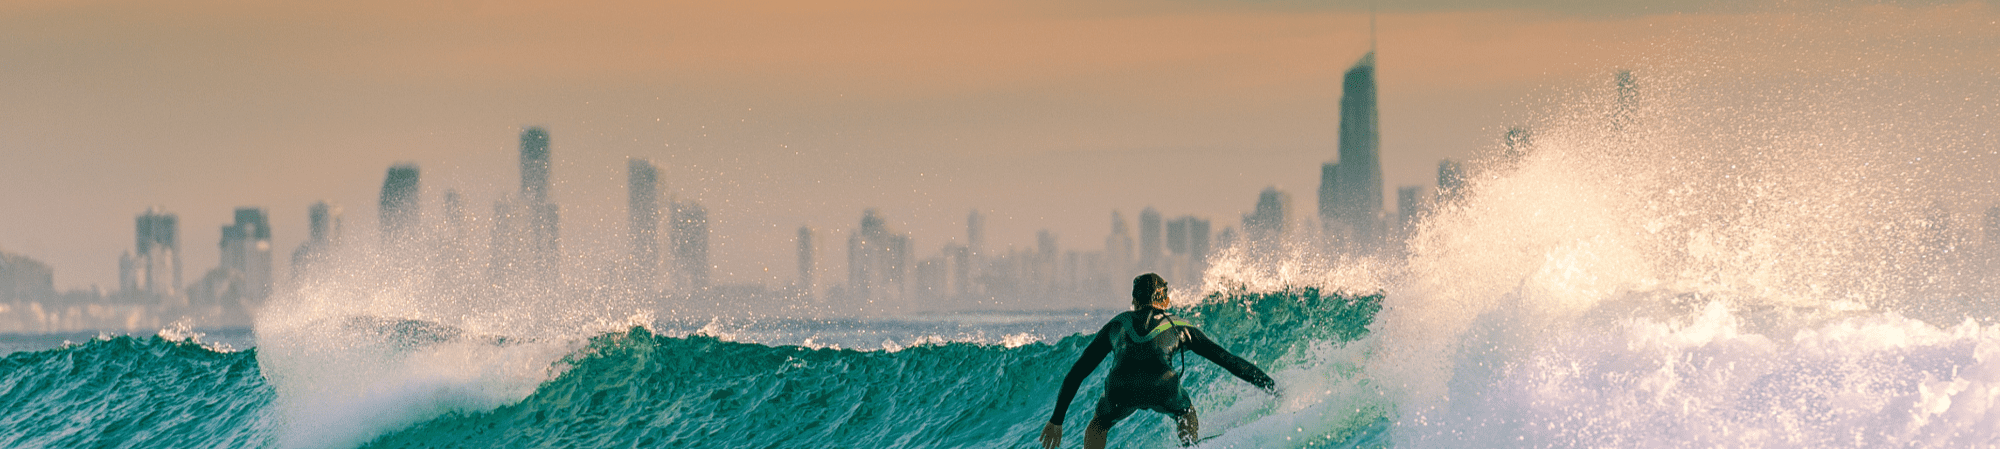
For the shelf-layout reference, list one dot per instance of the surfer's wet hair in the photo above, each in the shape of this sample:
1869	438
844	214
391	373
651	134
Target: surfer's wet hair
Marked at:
1148	288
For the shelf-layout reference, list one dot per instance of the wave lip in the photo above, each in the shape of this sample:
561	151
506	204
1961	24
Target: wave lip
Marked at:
639	388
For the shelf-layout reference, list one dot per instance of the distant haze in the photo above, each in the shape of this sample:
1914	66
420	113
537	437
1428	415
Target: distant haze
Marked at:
775	115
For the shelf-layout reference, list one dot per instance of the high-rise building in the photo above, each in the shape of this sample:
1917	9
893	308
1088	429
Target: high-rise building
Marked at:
642	193
1451	179
1412	202
527	237
1265	228
878	260
399	207
1516	145
1118	248
970	264
690	236
1149	240
1351	190
806	262
1187	246
156	268
246	251
1992	226
1626	106
975	232
1045	267
25	280
535	165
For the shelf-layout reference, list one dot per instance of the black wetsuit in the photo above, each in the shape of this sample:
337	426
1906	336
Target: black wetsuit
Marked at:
1143	375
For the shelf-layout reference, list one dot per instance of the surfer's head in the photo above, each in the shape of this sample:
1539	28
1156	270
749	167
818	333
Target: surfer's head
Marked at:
1149	290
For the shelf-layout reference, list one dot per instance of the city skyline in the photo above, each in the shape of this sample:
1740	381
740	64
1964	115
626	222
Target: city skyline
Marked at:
921	140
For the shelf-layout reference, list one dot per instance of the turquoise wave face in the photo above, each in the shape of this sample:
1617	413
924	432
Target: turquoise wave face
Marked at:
645	390
640	389
132	392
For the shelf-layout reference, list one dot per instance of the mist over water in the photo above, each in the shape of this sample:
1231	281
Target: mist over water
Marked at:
1738	257
1732	256
1775	240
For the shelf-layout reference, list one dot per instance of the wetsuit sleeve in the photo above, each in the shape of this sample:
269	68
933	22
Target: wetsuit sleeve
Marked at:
1093	354
1243	369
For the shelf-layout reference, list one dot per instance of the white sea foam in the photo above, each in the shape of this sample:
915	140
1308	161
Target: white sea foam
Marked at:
1737	256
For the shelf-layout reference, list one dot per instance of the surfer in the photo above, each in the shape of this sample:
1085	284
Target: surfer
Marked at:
1142	376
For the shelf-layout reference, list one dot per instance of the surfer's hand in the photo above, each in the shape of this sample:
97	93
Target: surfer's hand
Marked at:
1051	435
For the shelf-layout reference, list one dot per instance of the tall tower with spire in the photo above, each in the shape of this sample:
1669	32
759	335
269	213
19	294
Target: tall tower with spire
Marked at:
1350	192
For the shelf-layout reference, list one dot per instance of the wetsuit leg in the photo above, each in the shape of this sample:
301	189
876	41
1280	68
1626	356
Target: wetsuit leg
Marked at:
1110	409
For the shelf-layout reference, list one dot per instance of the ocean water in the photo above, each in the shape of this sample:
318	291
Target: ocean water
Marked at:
1780	239
645	388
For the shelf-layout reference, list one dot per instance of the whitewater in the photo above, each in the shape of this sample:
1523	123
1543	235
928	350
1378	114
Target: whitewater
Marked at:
1731	259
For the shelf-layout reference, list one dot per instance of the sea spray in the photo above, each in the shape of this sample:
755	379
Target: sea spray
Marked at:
698	391
1738	260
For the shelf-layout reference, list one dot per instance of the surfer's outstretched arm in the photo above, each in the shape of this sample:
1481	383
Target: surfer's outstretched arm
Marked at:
1093	354
1243	369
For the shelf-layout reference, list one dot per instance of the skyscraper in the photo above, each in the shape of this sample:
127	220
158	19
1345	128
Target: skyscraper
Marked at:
1451	179
1626	105
1412	202
878	260
642	193
398	208
806	263
1187	244
1118	248
1351	190
24	280
156	269
690	236
527	238
535	165
1149	240
1265	228
975	232
246	251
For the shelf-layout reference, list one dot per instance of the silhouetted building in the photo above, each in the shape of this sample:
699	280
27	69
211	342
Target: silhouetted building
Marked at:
1265	228
25	280
1188	247
156	268
1118	247
1516	145
1625	107
527	237
1350	203
459	267
806	263
1412	203
246	251
878	260
1044	268
690	223
535	165
1149	240
1992	226
975	232
642	193
399	207
1450	179
323	230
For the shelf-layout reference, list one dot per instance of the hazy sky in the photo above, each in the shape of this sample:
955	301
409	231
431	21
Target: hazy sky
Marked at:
773	114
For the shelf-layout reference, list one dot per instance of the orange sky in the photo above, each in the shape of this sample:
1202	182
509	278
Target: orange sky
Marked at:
776	114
